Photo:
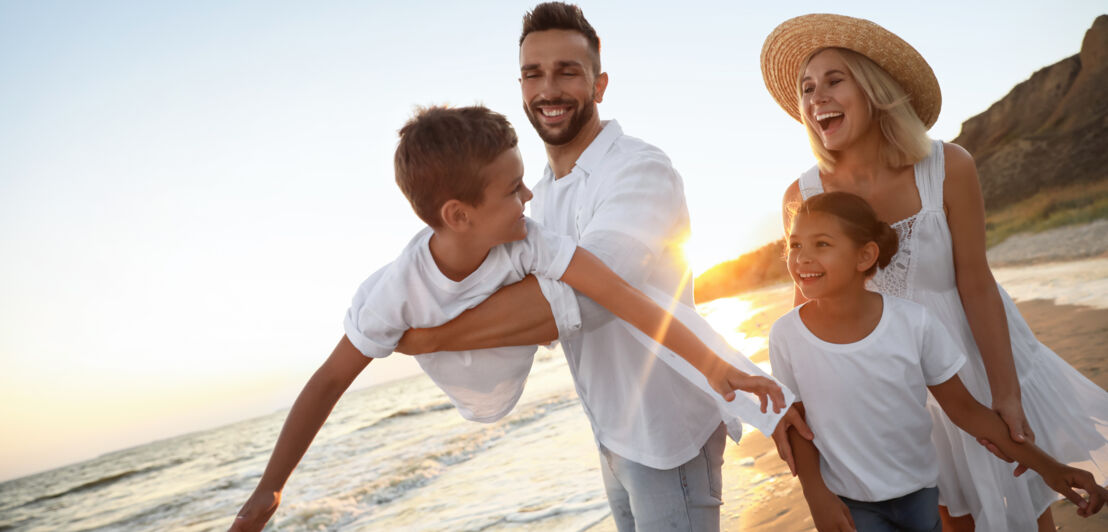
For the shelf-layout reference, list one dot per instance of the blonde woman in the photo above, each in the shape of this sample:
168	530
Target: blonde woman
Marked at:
867	99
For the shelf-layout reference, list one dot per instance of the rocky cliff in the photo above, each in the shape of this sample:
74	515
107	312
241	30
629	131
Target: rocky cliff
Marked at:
1050	130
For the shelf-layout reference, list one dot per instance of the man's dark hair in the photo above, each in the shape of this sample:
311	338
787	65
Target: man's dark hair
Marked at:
441	154
562	16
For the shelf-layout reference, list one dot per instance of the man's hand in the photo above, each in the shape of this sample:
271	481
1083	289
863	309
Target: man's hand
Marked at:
829	512
792	418
253	515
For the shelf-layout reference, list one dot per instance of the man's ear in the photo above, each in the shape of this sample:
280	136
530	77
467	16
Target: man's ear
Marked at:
455	215
867	256
599	87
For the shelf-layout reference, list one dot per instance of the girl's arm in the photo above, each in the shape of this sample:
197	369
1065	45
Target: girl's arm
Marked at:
589	276
828	510
307	415
965	214
979	421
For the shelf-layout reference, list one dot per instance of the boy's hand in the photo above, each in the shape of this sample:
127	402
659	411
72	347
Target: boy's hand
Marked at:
253	515
1064	478
730	379
829	512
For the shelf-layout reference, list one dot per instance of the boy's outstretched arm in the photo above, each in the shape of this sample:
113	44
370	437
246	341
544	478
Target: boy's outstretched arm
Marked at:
589	276
981	422
828	510
307	415
517	314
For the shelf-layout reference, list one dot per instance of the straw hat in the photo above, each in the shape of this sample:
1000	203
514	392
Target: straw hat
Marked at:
790	45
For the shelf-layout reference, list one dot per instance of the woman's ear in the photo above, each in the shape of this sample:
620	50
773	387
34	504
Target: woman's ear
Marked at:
867	256
455	215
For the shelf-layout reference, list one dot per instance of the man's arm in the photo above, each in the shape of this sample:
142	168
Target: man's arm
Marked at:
307	415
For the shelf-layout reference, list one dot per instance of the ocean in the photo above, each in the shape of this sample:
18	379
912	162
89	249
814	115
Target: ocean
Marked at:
397	456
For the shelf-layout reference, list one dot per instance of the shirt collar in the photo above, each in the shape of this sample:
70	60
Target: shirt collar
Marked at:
590	159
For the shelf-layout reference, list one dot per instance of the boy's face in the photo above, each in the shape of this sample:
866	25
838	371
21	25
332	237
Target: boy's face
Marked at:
499	218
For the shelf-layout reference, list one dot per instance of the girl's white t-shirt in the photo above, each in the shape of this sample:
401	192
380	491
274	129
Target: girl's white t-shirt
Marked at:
411	292
866	401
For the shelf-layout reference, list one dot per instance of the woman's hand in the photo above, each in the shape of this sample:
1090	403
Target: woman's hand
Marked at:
792	418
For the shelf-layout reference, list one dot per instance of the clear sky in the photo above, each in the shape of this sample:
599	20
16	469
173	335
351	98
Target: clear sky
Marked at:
190	192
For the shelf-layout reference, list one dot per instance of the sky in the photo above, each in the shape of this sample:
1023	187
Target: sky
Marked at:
191	192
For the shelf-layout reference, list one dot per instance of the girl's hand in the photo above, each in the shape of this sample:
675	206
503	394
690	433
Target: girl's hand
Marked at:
256	512
415	342
1064	478
792	418
829	512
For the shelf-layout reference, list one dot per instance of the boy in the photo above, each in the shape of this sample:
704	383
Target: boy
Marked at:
462	172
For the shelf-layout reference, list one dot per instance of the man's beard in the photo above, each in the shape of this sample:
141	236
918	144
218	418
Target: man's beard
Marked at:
576	124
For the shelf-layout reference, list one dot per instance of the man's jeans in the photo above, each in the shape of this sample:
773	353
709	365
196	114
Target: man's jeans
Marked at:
915	512
687	497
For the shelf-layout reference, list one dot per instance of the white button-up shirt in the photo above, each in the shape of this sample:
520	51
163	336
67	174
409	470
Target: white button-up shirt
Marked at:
624	202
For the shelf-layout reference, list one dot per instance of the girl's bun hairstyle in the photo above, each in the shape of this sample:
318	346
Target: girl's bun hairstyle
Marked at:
859	222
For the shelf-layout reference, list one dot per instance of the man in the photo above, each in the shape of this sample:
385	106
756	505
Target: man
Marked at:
661	439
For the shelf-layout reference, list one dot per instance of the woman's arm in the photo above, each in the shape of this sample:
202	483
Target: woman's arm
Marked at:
589	276
789	202
979	421
965	214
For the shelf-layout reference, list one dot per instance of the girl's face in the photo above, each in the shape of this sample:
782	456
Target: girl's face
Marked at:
823	261
832	102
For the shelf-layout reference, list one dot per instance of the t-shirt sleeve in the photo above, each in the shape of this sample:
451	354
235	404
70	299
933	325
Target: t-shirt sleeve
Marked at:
373	322
940	357
780	360
543	252
643	200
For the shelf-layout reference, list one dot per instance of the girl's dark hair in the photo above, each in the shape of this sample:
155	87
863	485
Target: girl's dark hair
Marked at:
859	222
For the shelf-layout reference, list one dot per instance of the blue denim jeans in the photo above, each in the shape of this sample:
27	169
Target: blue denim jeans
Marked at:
915	512
687	497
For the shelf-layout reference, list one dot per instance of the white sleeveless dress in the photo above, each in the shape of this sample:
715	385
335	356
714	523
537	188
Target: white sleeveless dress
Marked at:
1068	412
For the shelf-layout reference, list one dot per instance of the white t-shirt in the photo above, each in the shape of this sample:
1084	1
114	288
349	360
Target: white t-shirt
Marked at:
412	292
866	400
623	200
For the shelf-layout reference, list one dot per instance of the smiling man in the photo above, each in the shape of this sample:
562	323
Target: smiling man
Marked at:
660	438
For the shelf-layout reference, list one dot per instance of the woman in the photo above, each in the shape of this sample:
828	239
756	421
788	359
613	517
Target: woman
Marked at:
867	99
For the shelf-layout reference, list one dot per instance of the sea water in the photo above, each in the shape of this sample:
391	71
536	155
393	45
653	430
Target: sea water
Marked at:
398	457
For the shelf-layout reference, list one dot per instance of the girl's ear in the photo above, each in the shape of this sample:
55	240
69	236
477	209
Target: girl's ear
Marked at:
455	215
867	256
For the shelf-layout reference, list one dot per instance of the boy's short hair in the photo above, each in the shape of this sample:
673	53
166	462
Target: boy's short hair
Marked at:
441	153
562	16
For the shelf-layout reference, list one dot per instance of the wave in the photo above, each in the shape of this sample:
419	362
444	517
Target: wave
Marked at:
103	481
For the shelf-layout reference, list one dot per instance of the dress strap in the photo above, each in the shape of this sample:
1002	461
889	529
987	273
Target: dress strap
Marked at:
810	184
930	174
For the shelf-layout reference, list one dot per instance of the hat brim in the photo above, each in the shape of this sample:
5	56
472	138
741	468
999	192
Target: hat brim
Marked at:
790	45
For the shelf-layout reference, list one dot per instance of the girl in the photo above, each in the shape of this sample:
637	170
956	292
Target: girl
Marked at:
867	99
861	364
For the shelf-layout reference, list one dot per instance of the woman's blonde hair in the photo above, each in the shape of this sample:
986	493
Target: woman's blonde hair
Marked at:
906	140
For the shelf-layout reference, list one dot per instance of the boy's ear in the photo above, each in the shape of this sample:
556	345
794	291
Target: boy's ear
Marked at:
455	215
867	256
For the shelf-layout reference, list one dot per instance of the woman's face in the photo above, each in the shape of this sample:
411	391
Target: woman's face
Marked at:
832	102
